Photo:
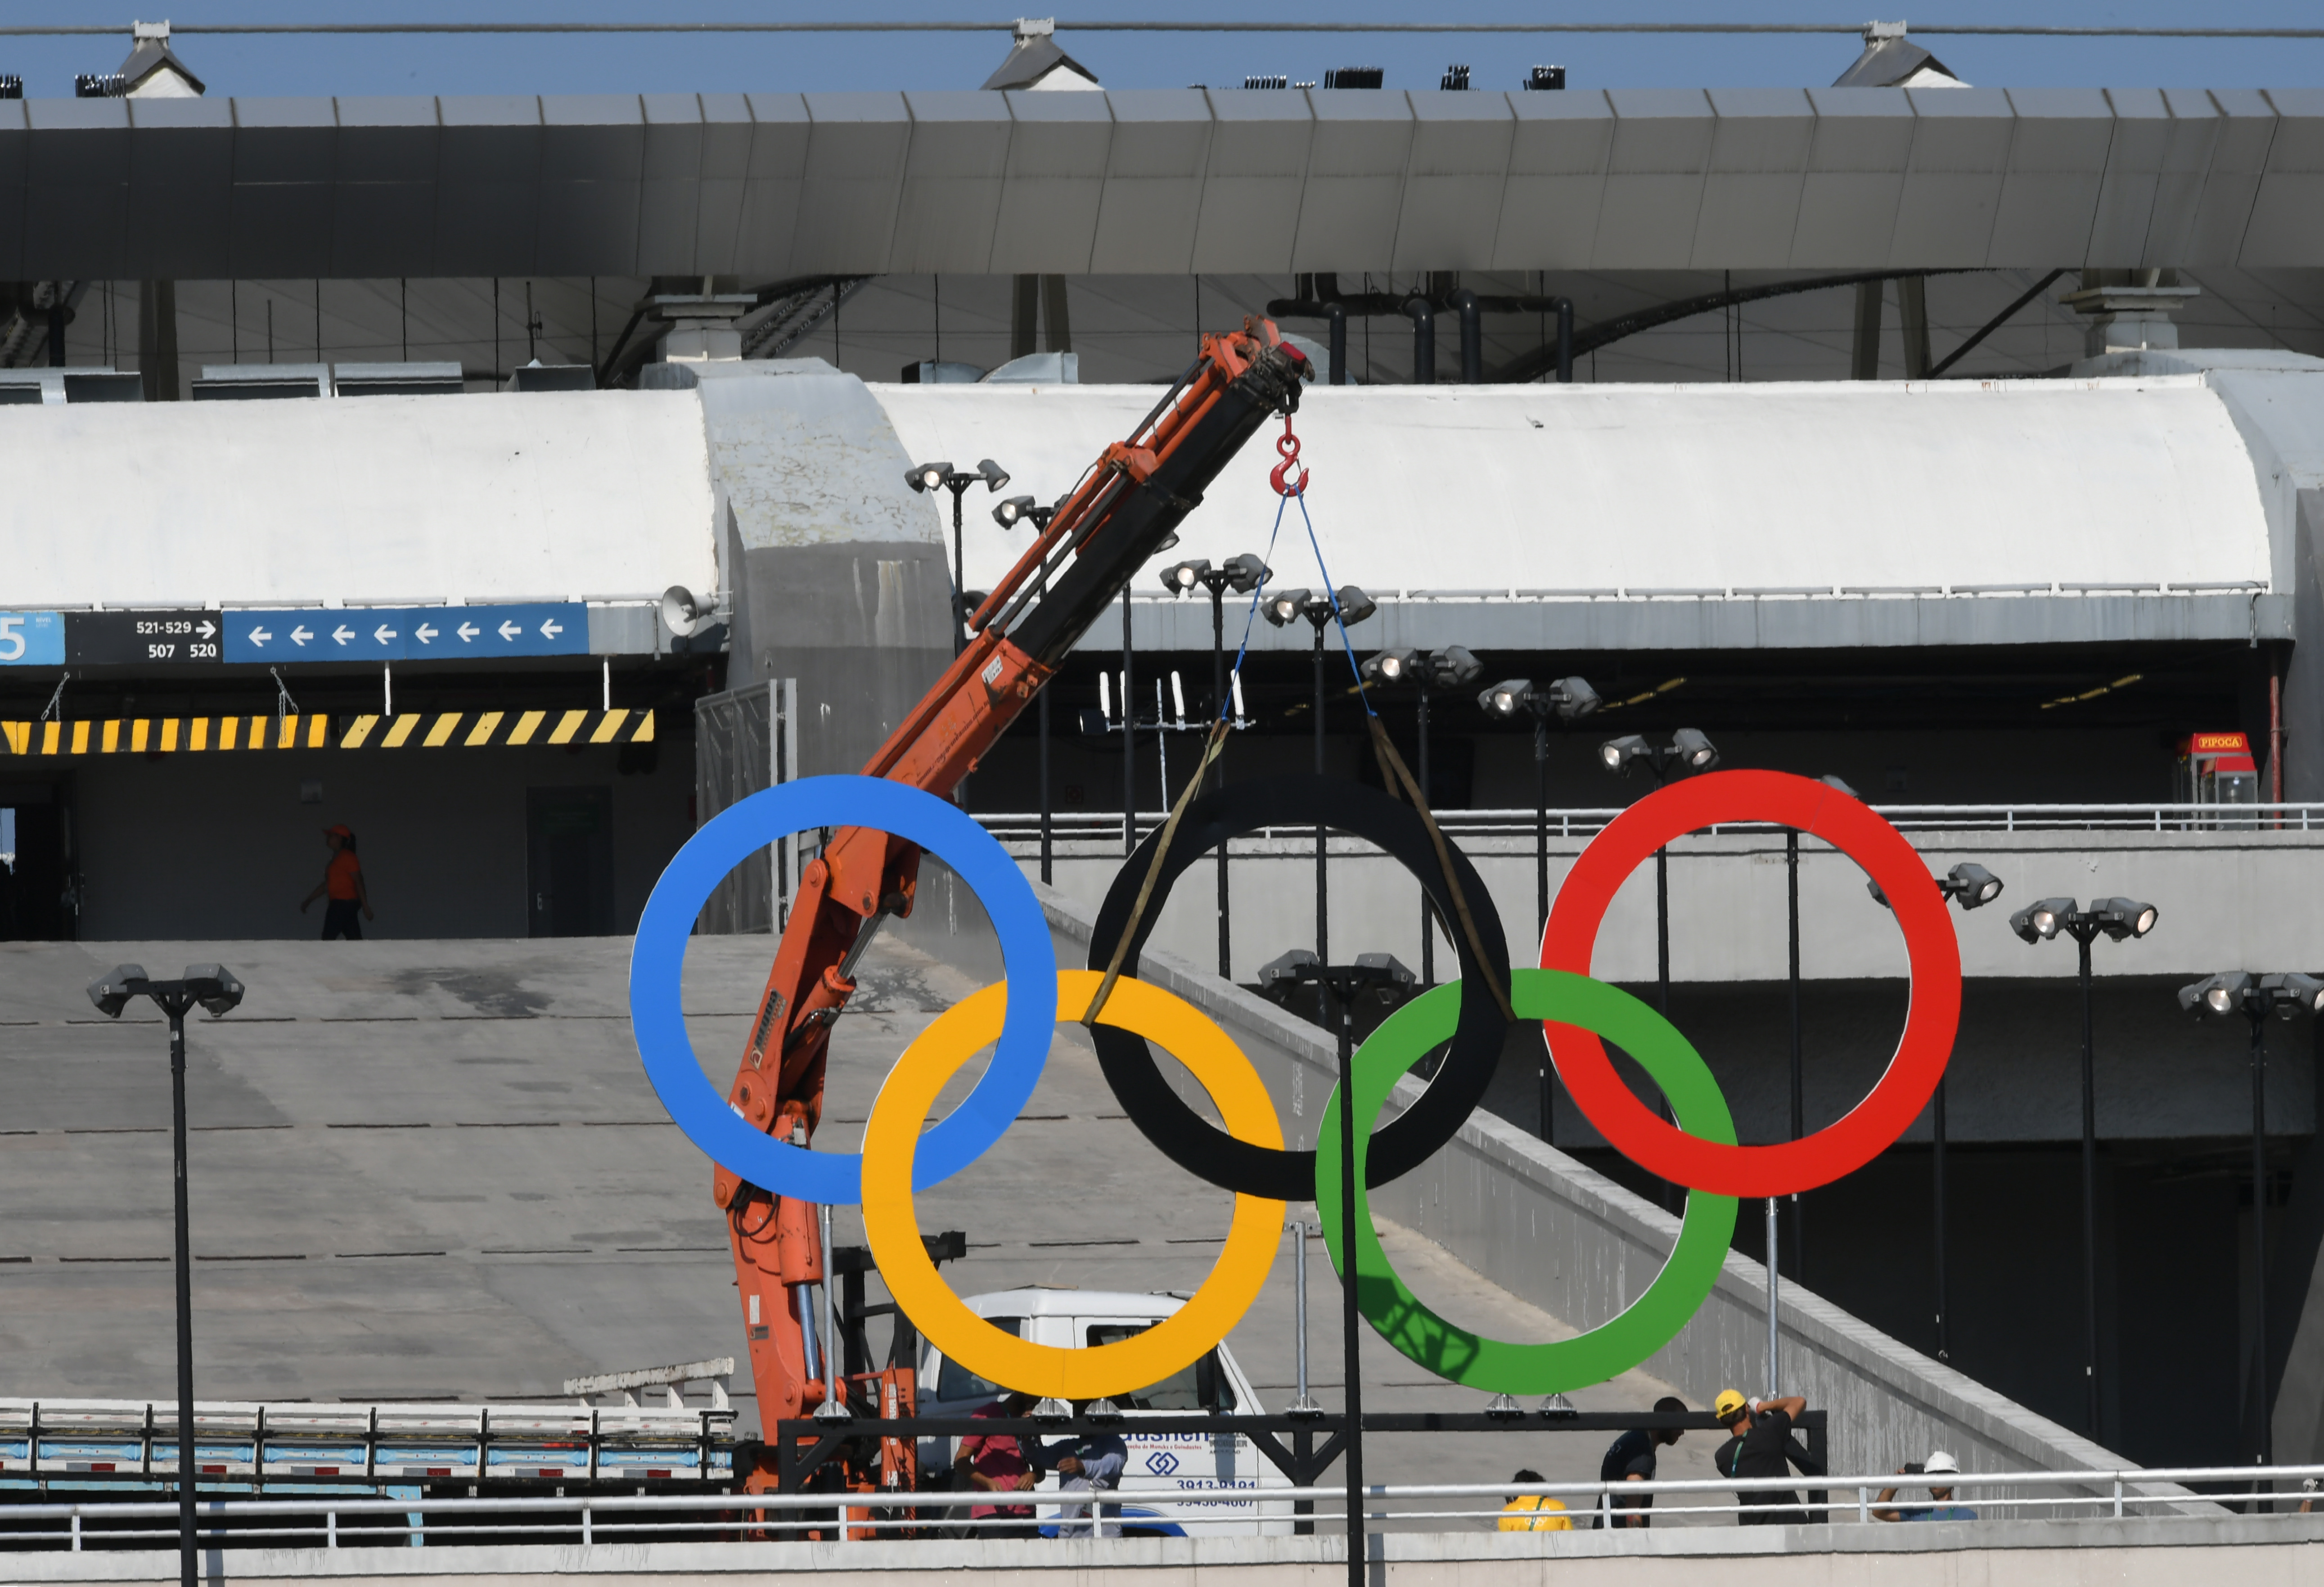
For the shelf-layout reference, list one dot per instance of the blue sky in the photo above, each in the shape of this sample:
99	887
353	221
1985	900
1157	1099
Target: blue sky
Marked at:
601	64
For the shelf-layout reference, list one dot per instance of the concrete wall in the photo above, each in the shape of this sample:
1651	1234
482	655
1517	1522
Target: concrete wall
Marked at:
2252	1551
221	846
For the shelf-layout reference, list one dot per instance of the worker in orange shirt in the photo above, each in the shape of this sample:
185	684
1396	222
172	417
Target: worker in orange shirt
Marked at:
342	888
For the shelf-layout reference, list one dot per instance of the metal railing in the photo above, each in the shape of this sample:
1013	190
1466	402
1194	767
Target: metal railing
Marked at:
334	1522
1084	826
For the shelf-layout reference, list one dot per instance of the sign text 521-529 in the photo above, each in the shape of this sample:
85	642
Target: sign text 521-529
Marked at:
125	639
31	639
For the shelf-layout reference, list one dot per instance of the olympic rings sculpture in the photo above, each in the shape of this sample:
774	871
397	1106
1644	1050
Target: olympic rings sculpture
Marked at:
1017	1017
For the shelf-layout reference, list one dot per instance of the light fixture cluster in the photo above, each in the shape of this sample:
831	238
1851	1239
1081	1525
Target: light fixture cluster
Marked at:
2233	992
1568	699
1289	606
924	477
1453	667
1241	574
2116	918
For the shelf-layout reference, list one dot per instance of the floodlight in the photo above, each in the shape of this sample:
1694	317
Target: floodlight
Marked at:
1247	573
111	991
1283	970
1286	606
1453	668
1507	697
927	476
1618	752
1012	512
683	612
2215	994
995	477
1353	603
1180	577
1696	751
2121	917
1973	885
2295	992
215	987
1572	699
1383	970
2040	920
1838	784
1393	667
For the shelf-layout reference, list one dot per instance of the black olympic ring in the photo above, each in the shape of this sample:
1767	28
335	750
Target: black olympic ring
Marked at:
1190	1140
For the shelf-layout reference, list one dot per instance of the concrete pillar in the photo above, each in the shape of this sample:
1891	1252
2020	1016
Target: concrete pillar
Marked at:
157	339
1024	316
1057	324
1864	352
1913	317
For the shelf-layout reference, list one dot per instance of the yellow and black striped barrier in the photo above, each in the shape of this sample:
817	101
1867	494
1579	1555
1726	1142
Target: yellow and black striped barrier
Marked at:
431	730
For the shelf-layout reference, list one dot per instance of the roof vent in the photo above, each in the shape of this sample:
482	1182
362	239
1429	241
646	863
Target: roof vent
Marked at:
151	71
1355	76
1035	62
1545	77
1891	60
98	84
1456	79
1266	81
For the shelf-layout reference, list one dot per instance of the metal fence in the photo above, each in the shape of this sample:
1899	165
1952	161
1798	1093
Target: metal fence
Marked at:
1105	827
333	1522
746	740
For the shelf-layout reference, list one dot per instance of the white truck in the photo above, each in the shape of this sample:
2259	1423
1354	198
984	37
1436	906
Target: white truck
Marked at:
1174	1485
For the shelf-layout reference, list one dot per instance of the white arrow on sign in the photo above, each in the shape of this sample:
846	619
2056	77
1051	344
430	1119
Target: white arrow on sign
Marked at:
259	636
206	628
343	633
467	631
383	633
551	628
301	634
510	631
424	633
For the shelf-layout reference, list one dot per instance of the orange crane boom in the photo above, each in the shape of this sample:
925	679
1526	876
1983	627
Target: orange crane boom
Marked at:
1104	531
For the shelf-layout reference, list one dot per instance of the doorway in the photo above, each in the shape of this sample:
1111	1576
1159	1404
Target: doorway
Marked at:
569	862
40	892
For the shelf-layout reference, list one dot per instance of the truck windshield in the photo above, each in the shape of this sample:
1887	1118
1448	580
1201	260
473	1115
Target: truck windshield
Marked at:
1192	1388
955	1382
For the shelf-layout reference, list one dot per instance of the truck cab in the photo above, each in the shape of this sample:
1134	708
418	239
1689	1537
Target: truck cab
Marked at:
1176	1485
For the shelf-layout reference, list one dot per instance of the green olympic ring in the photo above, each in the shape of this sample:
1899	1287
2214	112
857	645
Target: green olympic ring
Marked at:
1649	1322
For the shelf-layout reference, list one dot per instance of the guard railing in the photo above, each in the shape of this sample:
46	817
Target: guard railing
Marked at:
348	1522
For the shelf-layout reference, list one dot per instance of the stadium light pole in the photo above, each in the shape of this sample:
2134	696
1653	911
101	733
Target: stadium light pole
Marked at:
2255	996
1452	667
943	477
1241	574
1567	699
1688	751
2118	918
1972	887
1353	606
1008	514
214	987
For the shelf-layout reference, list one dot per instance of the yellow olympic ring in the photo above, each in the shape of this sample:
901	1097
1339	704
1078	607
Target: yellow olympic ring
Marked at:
891	1225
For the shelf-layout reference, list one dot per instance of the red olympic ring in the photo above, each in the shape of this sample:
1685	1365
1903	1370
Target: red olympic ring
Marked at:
1934	952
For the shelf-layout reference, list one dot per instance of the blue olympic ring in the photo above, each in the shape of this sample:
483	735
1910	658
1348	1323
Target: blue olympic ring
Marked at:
658	953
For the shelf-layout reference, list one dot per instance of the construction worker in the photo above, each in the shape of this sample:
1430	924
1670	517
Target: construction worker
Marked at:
1761	1447
1534	1512
343	887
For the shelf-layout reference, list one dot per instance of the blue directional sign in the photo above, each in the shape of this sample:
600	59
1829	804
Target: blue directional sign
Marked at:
31	639
408	633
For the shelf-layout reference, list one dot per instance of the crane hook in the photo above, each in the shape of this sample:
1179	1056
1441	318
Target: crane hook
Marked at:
1287	444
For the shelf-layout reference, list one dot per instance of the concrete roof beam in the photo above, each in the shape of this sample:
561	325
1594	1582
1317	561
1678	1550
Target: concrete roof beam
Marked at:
1151	204
383	199
858	150
1355	182
181	188
1059	151
2287	224
488	184
1953	178
2224	213
1453	181
2179	182
673	146
77	184
592	179
1556	184
1757	169
1656	168
1855	179
2056	170
1261	140
956	166
771	134
283	171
